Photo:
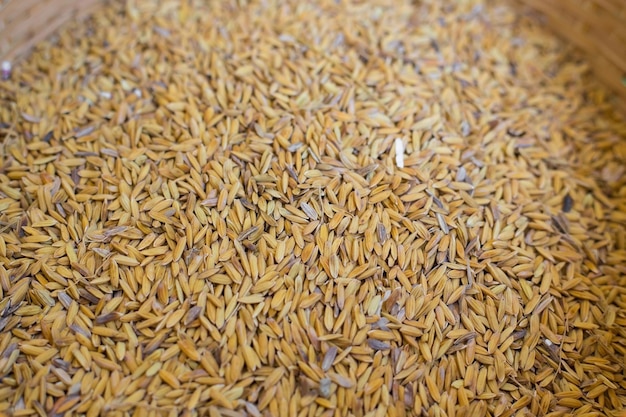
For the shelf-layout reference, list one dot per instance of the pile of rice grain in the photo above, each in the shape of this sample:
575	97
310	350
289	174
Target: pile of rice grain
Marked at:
328	208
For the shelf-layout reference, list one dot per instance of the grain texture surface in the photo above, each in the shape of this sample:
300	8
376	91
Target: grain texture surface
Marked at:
328	208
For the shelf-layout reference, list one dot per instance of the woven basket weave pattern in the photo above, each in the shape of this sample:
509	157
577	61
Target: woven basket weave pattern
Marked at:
596	26
24	23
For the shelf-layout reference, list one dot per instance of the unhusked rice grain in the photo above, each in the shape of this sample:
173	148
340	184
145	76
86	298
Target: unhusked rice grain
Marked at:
327	208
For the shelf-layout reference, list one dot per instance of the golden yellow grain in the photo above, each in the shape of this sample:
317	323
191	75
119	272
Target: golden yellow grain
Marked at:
200	212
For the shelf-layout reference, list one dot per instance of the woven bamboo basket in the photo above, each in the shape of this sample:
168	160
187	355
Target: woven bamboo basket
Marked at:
598	27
